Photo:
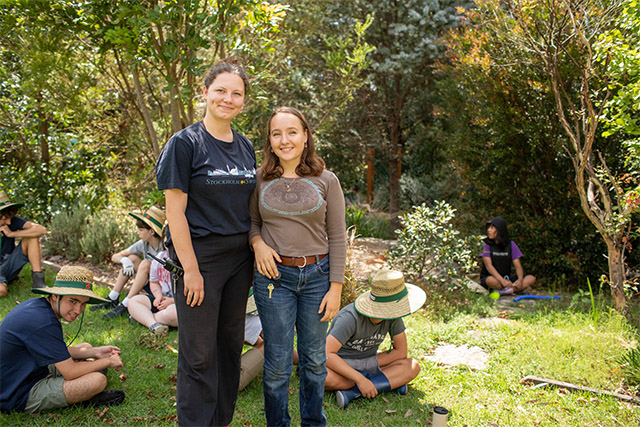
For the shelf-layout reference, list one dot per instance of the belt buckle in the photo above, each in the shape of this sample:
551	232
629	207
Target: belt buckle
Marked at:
305	262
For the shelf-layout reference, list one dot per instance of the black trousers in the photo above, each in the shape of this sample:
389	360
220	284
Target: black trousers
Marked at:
211	335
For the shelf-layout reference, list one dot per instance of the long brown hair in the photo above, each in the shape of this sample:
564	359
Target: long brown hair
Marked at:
310	164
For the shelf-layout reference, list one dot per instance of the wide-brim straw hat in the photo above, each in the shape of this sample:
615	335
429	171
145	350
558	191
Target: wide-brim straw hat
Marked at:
390	297
251	303
6	203
73	280
153	217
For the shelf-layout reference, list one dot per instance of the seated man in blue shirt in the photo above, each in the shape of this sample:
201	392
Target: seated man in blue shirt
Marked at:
13	257
39	370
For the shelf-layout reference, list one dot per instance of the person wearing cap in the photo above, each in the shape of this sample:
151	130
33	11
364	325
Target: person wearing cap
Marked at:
157	309
39	370
136	261
355	368
13	257
499	252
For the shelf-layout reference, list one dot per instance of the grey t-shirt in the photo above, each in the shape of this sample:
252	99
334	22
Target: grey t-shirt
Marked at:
359	337
141	249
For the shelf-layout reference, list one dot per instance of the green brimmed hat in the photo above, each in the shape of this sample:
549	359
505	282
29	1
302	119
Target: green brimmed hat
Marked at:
251	303
6	203
73	280
390	297
153	217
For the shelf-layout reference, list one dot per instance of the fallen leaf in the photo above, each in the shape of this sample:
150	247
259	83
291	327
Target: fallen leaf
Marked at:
100	412
123	377
390	411
594	399
408	414
171	349
385	399
581	399
158	366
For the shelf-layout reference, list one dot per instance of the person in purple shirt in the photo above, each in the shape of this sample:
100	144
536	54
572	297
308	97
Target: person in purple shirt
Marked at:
498	254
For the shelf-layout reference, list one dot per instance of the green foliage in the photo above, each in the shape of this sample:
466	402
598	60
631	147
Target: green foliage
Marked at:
367	223
429	245
630	362
105	235
65	233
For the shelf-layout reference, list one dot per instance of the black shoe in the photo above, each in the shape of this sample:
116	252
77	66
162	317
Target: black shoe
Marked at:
111	304
37	277
119	310
106	398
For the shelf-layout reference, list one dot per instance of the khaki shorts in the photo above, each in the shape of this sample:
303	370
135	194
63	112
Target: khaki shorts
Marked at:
47	393
365	366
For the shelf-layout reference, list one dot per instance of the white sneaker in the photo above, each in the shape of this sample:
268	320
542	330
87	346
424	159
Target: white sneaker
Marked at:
159	329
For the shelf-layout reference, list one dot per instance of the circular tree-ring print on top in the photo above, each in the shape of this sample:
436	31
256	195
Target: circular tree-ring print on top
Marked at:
293	196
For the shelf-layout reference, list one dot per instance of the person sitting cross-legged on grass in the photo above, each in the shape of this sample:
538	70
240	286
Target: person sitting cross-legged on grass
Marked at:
498	254
13	257
156	311
136	262
39	371
354	366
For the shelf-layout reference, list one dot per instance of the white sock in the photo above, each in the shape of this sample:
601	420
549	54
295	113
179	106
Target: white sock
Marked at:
125	302
113	295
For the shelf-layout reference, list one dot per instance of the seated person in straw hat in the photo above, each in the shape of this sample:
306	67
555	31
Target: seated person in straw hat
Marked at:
136	261
39	370
157	310
13	257
354	366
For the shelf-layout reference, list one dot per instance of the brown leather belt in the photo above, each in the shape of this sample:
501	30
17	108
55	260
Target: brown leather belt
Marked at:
300	261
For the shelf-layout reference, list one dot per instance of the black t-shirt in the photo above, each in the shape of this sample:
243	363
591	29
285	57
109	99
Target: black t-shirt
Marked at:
217	176
9	243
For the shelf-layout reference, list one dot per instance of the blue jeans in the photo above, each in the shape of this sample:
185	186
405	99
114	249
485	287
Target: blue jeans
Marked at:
294	303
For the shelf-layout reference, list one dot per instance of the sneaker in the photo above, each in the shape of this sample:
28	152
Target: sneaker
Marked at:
106	398
111	304
37	277
159	329
133	321
118	310
505	291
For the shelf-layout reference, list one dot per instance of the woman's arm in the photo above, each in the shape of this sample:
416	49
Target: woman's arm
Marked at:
176	203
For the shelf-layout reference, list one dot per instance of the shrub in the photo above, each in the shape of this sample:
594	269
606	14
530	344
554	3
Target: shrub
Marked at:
104	235
429	245
630	362
65	233
366	222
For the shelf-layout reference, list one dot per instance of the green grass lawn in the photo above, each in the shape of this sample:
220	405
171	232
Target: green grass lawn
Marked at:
542	338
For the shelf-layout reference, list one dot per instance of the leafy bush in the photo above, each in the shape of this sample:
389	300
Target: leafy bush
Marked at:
65	233
103	236
429	245
630	362
366	222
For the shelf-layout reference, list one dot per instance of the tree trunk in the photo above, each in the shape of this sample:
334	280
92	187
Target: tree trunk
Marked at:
142	105
617	273
371	169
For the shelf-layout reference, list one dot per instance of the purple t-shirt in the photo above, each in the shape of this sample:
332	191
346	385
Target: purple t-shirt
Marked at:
515	251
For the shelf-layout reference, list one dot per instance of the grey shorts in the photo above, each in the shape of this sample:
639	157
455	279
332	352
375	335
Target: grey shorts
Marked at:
12	264
365	366
47	393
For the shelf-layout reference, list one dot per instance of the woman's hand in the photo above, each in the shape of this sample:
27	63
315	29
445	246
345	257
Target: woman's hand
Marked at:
331	302
266	258
193	287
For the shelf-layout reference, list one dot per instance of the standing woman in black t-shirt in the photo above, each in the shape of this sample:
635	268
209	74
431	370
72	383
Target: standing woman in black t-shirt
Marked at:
208	174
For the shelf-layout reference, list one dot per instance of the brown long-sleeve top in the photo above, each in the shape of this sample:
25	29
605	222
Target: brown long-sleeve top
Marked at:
302	217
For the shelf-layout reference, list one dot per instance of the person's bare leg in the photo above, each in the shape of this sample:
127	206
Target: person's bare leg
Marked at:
493	283
84	388
335	381
31	248
400	372
143	268
527	282
3	290
140	309
168	316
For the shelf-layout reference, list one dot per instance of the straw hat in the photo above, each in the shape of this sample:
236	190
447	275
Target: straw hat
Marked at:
251	303
6	203
153	217
72	280
390	297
